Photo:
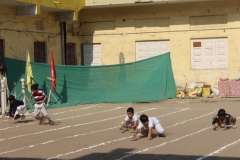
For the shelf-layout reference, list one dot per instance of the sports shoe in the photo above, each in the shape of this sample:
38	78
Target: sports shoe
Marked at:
51	122
22	117
162	135
16	117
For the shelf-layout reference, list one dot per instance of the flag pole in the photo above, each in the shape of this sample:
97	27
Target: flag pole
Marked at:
25	79
51	79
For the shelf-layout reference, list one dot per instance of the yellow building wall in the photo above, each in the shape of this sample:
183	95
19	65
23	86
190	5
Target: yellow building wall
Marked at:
19	34
117	29
73	36
75	5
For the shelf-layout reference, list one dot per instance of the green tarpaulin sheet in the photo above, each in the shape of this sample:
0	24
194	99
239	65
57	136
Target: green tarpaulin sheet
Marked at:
148	80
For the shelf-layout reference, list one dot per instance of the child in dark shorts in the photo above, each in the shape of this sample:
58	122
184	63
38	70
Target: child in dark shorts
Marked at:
223	120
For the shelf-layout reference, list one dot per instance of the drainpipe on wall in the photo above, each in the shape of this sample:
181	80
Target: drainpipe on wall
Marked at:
63	41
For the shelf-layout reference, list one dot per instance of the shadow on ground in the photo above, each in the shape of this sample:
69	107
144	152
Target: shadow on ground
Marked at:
24	121
126	154
120	154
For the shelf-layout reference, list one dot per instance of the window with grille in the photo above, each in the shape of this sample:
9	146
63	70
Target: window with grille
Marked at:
40	52
70	54
1	52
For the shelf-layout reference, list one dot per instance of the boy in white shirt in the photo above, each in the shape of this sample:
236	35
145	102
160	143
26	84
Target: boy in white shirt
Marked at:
131	120
146	126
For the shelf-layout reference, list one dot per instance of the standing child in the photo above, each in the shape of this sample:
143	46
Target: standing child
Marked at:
223	120
17	108
39	97
131	120
146	126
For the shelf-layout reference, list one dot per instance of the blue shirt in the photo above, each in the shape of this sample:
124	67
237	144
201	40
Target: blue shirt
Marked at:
13	106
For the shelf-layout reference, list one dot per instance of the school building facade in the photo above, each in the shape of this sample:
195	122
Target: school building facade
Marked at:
202	36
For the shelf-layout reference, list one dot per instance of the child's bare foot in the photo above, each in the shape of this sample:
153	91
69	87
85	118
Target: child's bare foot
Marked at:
149	138
133	138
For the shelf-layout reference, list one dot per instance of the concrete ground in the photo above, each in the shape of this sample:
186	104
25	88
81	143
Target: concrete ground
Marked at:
91	131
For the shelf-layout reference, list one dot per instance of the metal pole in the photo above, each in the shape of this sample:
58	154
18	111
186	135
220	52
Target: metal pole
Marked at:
49	96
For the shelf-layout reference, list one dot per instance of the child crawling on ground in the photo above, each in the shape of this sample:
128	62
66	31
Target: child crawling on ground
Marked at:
131	120
17	108
146	126
223	120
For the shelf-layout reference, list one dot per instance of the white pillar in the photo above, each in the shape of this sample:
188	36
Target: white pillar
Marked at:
5	92
3	97
23	90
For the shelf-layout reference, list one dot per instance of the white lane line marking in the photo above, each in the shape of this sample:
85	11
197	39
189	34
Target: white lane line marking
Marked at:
52	141
1	129
173	140
104	143
69	126
221	149
90	113
162	144
73	110
81	134
190	119
173	112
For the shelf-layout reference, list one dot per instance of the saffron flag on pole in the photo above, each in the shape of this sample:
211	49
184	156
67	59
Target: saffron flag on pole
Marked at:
28	72
53	72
